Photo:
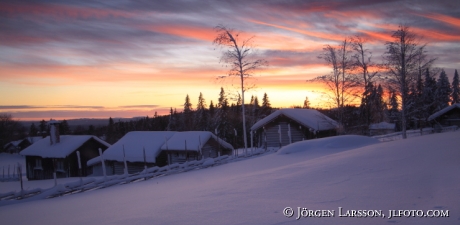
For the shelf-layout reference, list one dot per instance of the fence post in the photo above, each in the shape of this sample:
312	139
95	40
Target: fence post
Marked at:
124	161
103	164
79	168
20	177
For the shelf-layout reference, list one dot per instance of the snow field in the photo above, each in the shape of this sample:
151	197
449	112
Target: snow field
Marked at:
419	173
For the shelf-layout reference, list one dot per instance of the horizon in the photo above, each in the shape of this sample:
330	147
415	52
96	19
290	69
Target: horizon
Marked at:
67	60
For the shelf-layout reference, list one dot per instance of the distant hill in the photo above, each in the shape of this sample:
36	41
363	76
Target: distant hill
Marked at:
84	122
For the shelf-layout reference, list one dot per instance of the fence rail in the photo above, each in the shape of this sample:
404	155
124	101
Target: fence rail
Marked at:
414	133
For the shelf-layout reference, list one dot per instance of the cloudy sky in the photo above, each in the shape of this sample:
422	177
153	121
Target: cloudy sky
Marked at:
95	59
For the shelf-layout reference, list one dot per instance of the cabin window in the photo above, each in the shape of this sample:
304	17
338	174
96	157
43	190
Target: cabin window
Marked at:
38	164
60	166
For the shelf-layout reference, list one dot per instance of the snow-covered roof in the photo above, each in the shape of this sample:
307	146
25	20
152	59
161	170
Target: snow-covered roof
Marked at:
442	111
18	142
382	126
307	117
194	139
12	143
34	139
67	145
134	142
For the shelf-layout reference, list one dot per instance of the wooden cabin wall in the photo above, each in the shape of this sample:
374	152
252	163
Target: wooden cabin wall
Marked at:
298	133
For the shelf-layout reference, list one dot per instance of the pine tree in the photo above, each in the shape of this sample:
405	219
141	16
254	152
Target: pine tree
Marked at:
443	91
455	89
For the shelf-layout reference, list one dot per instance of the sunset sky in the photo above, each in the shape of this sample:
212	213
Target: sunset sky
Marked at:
95	59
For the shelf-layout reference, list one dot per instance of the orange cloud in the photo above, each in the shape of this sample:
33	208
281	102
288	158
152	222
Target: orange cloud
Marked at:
435	35
198	33
443	18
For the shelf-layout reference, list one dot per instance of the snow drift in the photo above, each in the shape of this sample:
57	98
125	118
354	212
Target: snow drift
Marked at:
420	173
328	145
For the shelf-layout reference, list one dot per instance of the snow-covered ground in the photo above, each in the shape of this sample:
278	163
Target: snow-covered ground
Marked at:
9	164
352	172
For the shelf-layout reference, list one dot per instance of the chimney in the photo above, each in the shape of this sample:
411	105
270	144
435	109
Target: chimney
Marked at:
54	132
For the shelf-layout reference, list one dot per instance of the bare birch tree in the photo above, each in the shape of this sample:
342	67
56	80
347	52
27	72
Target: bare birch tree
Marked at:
402	64
362	60
239	55
341	82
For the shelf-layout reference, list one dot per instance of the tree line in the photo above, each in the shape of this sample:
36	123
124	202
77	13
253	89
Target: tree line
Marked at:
406	75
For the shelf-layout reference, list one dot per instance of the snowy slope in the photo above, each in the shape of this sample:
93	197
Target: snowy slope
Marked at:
421	173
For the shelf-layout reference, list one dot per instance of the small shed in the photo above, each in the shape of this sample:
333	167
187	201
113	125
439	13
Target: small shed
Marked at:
131	147
448	116
194	145
286	126
45	156
381	128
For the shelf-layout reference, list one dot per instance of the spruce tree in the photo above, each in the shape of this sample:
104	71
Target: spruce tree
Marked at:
64	128
366	104
393	111
443	91
255	108
201	117
43	128
172	121
221	119
266	107
455	89
306	103
110	135
379	107
428	94
212	110
187	118
33	130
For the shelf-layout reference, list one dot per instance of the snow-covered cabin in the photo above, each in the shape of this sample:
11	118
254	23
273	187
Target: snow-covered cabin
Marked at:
161	148
17	146
381	128
286	126
58	153
194	145
132	147
448	116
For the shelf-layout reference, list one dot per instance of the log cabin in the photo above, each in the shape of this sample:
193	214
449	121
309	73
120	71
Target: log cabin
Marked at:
57	154
161	148
448	116
194	145
286	126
